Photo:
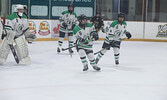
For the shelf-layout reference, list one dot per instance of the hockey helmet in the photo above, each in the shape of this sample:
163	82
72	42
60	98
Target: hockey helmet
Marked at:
121	15
19	9
70	5
81	17
70	10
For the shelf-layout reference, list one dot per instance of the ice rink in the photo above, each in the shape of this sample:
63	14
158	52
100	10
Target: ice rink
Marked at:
141	75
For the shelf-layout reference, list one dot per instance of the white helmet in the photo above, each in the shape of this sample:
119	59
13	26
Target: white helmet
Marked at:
19	7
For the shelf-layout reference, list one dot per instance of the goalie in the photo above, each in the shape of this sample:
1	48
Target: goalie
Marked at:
84	34
16	30
114	36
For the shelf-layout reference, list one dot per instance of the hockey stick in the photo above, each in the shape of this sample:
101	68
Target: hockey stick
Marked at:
107	47
63	49
99	51
12	48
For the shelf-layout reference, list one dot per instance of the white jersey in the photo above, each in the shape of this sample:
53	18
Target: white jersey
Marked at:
116	31
85	34
69	19
17	24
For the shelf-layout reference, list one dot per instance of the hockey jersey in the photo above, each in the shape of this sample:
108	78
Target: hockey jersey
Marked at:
69	19
116	31
16	23
85	34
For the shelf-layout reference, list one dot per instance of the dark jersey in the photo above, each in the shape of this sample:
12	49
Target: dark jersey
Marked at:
97	22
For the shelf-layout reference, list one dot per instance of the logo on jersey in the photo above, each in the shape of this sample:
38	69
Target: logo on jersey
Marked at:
44	28
162	31
32	27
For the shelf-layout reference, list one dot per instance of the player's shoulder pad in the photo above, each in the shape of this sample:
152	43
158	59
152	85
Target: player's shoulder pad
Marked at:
124	23
89	25
75	14
76	29
24	16
12	16
64	12
115	22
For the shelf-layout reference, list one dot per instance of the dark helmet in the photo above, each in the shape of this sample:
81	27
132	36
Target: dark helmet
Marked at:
81	17
121	15
70	5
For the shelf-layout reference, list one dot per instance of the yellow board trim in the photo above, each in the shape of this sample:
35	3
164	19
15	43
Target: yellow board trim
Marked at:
102	39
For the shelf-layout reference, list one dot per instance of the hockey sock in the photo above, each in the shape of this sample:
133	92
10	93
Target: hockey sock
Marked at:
116	56
60	42
91	59
84	61
83	57
70	41
102	52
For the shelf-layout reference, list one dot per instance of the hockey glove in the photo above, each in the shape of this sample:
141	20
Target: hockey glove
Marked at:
64	25
73	26
84	41
30	38
128	35
95	36
103	30
115	44
3	35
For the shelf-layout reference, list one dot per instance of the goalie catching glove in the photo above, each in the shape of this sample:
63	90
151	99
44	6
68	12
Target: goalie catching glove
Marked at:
29	36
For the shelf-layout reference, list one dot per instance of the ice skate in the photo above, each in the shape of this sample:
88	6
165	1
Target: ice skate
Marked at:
85	68
96	68
58	50
117	62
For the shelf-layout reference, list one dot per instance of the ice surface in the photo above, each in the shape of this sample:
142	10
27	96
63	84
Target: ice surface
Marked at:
141	75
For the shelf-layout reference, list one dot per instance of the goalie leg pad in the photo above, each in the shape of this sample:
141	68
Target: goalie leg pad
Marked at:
22	50
10	36
4	51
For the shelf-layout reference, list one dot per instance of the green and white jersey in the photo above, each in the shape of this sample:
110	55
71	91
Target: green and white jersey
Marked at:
116	31
69	19
85	34
17	24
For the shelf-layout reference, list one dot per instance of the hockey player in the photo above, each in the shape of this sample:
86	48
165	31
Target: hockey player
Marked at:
97	21
68	21
84	33
114	36
15	32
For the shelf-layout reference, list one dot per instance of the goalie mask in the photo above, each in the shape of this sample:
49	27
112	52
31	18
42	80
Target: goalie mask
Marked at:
82	20
19	9
121	18
70	8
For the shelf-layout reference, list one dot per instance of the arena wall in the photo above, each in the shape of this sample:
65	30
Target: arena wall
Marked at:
47	30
